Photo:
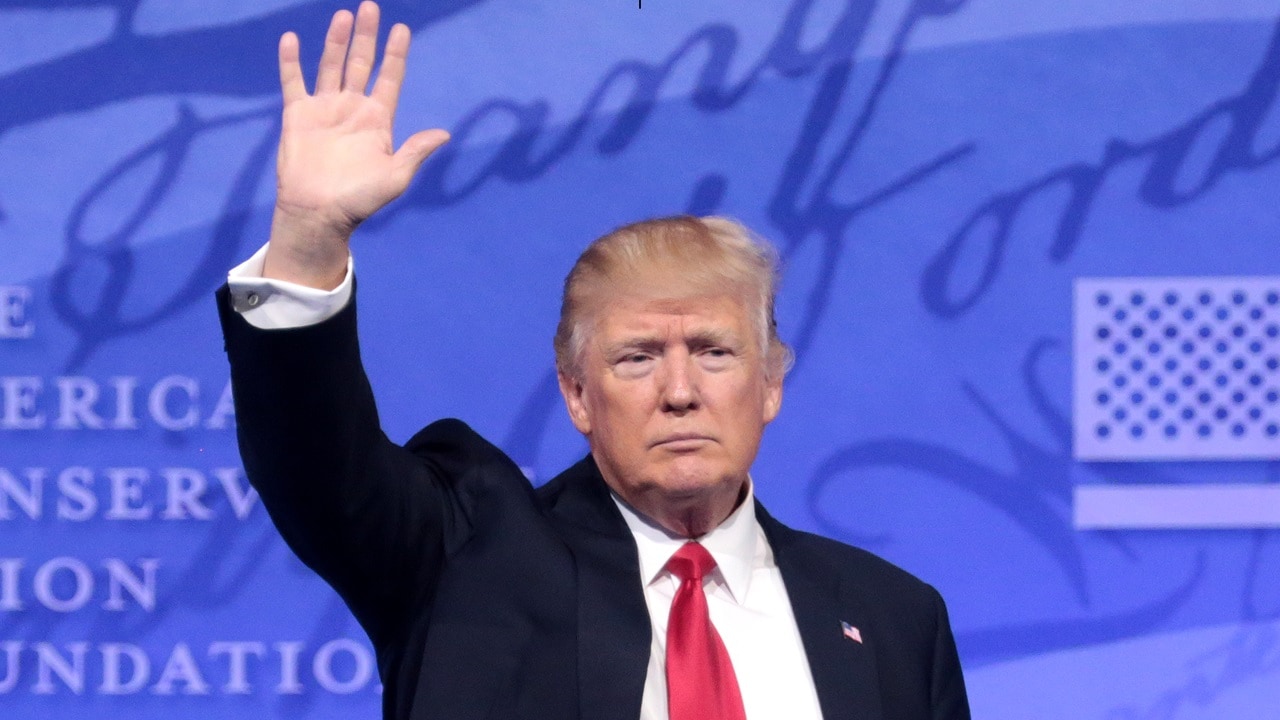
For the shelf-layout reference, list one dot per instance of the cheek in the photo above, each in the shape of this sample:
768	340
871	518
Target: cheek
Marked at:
751	412
616	410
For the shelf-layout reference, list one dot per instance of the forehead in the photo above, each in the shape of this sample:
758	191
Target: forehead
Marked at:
631	314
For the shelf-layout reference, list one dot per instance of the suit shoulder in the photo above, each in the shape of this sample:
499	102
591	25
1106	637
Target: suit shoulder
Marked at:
862	569
447	433
457	451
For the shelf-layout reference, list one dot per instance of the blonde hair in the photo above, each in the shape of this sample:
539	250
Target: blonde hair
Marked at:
694	255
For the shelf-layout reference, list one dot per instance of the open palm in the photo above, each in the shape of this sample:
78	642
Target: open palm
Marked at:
337	163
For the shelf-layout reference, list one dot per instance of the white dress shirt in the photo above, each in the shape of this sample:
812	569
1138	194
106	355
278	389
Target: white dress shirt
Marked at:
749	608
746	598
270	304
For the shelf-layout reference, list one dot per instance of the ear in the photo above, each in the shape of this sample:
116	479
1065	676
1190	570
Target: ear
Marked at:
772	398
575	402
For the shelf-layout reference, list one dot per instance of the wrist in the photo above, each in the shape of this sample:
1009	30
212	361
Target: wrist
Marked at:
306	249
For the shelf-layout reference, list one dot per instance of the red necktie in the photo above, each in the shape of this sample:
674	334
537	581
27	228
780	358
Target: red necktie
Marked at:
700	680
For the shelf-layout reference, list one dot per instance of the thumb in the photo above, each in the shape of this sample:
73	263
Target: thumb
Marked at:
415	150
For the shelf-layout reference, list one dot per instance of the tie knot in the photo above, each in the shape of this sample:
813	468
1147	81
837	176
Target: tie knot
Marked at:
691	562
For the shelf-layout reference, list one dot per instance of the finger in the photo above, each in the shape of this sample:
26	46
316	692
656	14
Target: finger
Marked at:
364	48
329	77
415	150
391	75
292	86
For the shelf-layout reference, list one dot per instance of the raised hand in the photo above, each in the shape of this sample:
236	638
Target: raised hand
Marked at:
337	164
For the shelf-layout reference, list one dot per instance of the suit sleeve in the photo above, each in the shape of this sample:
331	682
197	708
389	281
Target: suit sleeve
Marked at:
947	692
373	519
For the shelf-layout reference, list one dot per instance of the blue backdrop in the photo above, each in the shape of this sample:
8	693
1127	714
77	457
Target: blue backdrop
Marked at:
991	213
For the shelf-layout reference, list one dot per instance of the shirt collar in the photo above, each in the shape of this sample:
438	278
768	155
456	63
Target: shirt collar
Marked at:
732	544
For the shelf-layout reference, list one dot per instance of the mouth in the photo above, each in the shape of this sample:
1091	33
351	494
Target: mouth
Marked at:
682	442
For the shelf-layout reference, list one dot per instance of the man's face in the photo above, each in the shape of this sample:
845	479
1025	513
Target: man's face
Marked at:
673	397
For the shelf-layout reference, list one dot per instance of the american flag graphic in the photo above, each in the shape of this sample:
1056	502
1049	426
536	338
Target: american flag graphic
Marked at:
1177	368
851	632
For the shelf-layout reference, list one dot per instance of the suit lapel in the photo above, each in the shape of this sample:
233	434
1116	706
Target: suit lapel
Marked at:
614	634
844	671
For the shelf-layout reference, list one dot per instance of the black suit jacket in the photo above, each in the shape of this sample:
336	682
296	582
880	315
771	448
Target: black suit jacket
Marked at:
486	598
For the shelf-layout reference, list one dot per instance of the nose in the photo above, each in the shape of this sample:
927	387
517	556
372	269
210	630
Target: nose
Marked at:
680	385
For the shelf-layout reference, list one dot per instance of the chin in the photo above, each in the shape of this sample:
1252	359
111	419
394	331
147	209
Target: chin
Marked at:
694	481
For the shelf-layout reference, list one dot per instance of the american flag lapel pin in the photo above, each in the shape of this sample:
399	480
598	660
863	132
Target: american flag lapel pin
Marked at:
851	632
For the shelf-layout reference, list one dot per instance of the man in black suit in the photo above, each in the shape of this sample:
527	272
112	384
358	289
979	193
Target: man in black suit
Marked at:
643	582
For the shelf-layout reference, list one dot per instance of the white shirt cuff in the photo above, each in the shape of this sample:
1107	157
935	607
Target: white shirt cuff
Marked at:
270	304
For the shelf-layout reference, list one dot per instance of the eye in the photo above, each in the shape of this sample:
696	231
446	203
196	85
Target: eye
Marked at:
633	360
633	365
715	358
716	352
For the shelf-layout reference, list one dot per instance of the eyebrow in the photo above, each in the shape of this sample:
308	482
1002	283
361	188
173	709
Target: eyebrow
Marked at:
706	338
650	343
635	342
